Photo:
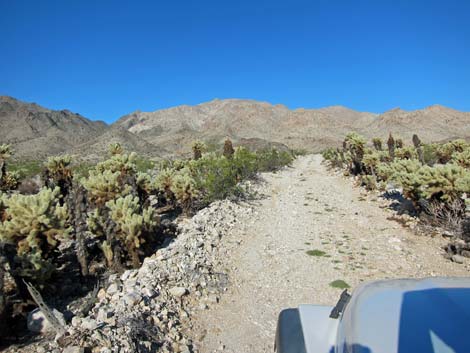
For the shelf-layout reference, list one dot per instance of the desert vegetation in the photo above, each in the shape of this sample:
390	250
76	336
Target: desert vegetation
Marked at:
434	177
81	224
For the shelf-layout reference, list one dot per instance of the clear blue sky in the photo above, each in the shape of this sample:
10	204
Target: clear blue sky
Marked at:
107	58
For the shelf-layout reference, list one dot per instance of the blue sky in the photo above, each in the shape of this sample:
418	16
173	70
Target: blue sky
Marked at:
107	58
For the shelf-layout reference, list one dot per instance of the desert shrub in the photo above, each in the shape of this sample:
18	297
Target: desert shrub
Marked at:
34	225
216	177
268	160
26	168
143	164
430	156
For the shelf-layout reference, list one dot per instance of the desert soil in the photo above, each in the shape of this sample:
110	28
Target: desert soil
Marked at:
307	207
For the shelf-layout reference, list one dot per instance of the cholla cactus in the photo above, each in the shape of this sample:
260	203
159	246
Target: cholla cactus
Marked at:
405	173
123	163
369	182
58	173
185	191
377	142
144	185
406	153
164	183
356	145
8	180
445	152
443	182
462	158
132	224
115	149
5	152
104	186
391	146
419	148
372	159
228	149
35	224
198	148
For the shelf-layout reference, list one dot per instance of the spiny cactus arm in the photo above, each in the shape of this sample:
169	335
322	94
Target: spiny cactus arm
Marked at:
5	152
462	158
104	186
115	149
442	182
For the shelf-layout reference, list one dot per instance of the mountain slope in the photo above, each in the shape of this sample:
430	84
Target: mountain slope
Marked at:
35	131
312	129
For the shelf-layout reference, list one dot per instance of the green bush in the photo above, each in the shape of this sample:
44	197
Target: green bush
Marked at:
268	160
430	154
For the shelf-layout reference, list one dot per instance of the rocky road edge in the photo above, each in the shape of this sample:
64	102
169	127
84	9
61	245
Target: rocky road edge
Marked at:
150	309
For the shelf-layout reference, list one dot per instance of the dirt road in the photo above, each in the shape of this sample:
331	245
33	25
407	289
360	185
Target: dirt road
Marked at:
350	238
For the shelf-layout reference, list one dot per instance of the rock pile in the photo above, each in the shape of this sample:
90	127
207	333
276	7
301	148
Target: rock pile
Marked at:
150	309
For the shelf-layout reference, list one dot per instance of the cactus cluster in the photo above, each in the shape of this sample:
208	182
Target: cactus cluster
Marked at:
34	225
414	168
110	217
131	225
8	180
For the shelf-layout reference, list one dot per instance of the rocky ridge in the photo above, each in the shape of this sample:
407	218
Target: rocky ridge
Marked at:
151	309
35	131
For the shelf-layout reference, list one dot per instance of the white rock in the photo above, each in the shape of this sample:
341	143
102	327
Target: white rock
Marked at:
112	289
178	291
132	298
73	349
88	324
37	322
76	321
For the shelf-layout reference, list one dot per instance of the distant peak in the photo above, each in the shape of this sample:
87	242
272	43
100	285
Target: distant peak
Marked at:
436	107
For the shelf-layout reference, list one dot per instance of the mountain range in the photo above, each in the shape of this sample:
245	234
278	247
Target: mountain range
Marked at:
35	131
